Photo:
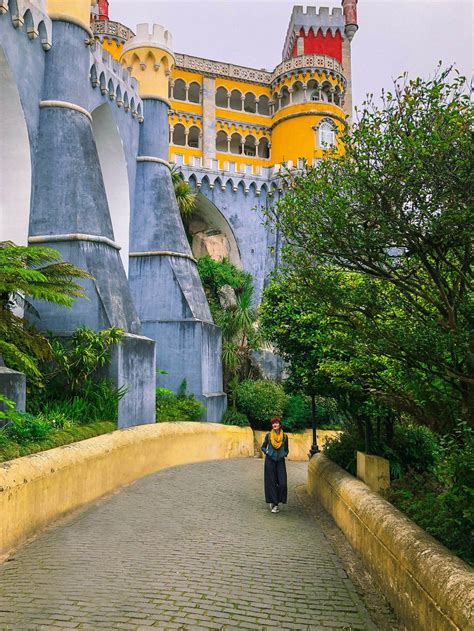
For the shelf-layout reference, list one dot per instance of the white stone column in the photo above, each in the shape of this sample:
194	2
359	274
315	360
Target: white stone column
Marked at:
208	120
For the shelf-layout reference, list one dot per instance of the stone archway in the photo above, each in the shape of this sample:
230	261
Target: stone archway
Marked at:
15	162
211	233
114	172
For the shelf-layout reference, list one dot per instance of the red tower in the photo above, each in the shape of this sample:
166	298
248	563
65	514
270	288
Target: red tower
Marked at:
101	11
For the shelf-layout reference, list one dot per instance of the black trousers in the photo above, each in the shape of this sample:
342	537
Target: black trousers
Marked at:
276	489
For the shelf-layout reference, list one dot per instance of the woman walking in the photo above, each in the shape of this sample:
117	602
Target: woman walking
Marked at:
275	448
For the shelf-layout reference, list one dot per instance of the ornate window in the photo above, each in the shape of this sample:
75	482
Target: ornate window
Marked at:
326	135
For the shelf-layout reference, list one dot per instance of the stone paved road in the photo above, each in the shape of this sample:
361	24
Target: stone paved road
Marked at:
193	547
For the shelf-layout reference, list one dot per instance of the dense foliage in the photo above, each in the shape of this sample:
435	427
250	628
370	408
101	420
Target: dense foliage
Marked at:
233	417
177	407
260	400
238	320
441	500
380	240
38	273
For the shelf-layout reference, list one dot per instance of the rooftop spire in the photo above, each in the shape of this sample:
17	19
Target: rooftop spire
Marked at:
349	8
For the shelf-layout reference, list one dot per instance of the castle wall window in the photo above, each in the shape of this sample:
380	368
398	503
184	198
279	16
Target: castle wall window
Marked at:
194	92
222	99
179	90
221	141
179	135
236	143
276	102
236	100
298	93
193	137
285	97
250	146
326	135
264	148
264	105
250	103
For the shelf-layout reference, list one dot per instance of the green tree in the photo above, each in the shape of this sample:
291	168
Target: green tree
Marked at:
238	322
38	273
382	237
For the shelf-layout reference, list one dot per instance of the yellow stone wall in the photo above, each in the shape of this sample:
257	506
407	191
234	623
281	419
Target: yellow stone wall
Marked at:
38	489
78	10
429	587
151	66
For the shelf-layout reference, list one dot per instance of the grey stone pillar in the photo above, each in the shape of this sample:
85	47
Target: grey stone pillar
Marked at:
13	387
163	275
69	210
347	68
208	120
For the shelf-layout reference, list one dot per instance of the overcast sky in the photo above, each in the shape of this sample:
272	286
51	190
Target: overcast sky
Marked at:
411	35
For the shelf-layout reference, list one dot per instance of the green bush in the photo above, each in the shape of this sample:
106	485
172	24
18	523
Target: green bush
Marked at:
10	449
233	417
343	449
177	407
297	413
260	400
26	428
415	448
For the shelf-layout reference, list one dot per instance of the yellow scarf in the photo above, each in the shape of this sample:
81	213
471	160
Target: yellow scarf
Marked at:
276	439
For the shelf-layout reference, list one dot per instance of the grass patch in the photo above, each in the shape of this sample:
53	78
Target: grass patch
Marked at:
10	449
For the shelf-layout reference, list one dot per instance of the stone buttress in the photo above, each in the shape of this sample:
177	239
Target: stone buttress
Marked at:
162	271
69	212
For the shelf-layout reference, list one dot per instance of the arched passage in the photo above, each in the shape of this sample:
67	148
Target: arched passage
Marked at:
212	233
15	169
115	174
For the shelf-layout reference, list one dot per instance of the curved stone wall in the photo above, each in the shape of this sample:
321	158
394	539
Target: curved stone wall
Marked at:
38	489
429	587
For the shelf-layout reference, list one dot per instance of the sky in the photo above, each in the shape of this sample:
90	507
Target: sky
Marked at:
393	37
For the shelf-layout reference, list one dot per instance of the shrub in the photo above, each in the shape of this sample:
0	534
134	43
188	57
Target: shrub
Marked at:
414	448
26	428
233	417
297	413
260	400
177	407
343	449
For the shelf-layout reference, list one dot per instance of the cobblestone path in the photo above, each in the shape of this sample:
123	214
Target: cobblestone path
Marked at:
193	547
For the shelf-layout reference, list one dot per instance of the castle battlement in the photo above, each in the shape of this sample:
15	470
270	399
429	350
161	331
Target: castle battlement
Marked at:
115	81
33	15
158	38
310	19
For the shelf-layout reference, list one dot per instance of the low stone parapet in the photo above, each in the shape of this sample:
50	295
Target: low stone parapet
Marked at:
429	587
38	489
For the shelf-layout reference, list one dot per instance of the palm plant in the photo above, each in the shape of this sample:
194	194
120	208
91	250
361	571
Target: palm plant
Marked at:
39	273
185	197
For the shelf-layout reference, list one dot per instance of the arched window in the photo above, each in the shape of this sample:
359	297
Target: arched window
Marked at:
236	143
250	103
194	92
285	97
236	100
221	141
250	146
276	102
263	105
298	92
263	148
179	137
179	90
221	97
326	135
325	92
193	137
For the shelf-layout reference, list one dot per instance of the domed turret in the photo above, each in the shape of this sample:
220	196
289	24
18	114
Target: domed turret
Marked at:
149	58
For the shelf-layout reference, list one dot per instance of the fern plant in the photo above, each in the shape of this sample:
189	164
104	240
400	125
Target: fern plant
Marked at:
38	273
185	197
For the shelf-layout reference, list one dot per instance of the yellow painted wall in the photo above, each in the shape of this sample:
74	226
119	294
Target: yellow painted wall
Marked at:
295	137
113	47
149	66
76	9
429	587
38	489
185	106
